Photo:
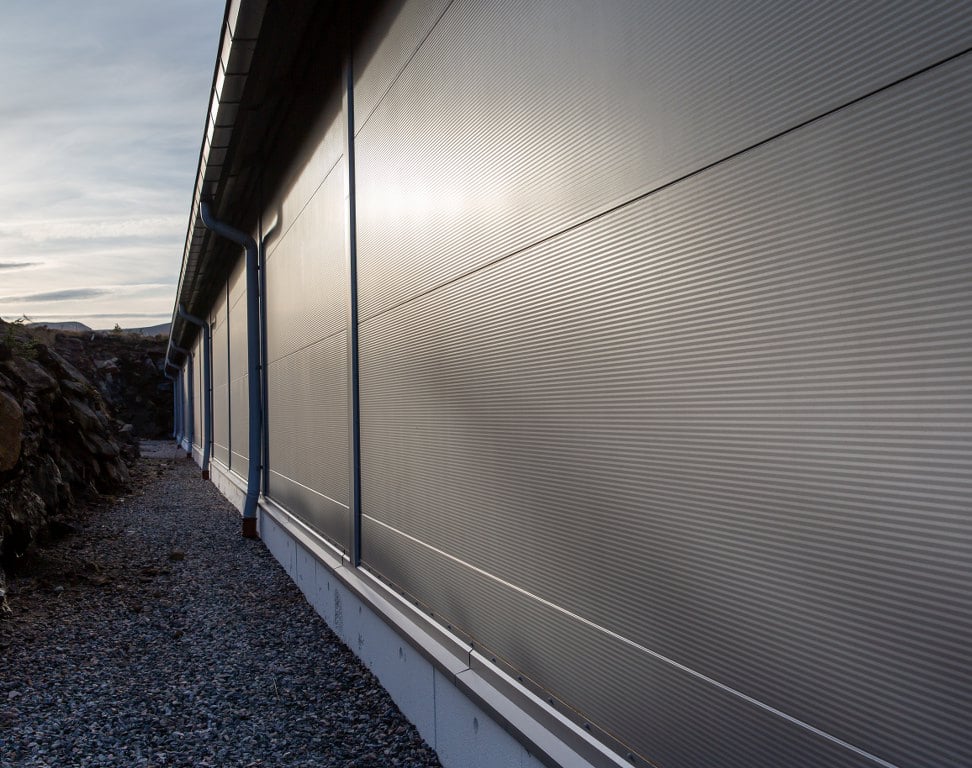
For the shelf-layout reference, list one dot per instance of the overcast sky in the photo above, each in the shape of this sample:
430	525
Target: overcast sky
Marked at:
102	107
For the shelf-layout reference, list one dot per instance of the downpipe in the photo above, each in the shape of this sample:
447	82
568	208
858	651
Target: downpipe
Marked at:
207	401
185	403
252	363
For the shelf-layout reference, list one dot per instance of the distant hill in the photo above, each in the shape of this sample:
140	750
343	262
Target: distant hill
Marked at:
152	330
65	326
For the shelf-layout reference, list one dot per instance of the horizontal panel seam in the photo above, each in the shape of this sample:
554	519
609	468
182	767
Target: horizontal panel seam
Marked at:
643	649
404	66
642	196
308	488
342	330
278	239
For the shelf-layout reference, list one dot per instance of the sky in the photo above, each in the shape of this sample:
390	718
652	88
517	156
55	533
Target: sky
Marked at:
102	111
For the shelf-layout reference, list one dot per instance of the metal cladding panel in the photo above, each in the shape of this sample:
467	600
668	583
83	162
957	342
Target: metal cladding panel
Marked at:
307	320
239	426
514	121
237	280
679	720
238	366
391	40
198	392
307	274
729	422
311	166
237	338
186	424
309	438
221	401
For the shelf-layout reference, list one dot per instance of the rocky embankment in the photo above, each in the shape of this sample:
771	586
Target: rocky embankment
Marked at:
61	441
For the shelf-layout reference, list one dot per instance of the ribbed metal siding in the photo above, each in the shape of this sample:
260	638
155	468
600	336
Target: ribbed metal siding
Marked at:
514	121
307	372
198	395
309	435
238	378
307	274
185	399
391	40
221	436
729	423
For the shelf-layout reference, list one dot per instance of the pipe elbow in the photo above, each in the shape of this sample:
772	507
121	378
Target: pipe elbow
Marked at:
190	318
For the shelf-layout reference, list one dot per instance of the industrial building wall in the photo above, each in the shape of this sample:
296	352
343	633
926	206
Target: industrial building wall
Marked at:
307	335
238	377
186	424
221	401
664	367
198	391
664	311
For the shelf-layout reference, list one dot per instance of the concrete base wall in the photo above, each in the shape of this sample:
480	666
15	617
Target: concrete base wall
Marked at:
229	484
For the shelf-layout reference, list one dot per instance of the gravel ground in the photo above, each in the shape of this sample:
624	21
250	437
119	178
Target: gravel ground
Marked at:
155	635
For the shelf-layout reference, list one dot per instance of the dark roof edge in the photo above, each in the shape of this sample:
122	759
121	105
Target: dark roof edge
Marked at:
242	21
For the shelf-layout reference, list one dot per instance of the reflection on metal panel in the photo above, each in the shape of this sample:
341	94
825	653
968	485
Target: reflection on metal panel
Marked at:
687	721
511	123
198	393
237	339
307	275
239	396
221	435
186	394
730	423
308	400
239	426
307	373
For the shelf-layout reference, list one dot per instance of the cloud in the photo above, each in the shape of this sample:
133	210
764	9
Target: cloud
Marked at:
100	143
68	294
80	229
99	315
18	264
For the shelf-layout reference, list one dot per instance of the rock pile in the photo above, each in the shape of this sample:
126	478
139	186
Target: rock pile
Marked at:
59	444
127	370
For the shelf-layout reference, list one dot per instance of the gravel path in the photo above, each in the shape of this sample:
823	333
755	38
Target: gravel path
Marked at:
157	636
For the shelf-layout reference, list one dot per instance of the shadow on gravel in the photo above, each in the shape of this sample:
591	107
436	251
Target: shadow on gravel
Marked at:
153	634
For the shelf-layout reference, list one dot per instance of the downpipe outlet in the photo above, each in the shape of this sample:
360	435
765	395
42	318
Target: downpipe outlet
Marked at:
254	460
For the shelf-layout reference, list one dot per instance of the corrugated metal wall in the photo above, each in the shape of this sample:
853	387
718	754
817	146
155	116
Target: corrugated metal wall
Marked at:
238	377
307	337
198	391
221	432
190	397
665	367
186	397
